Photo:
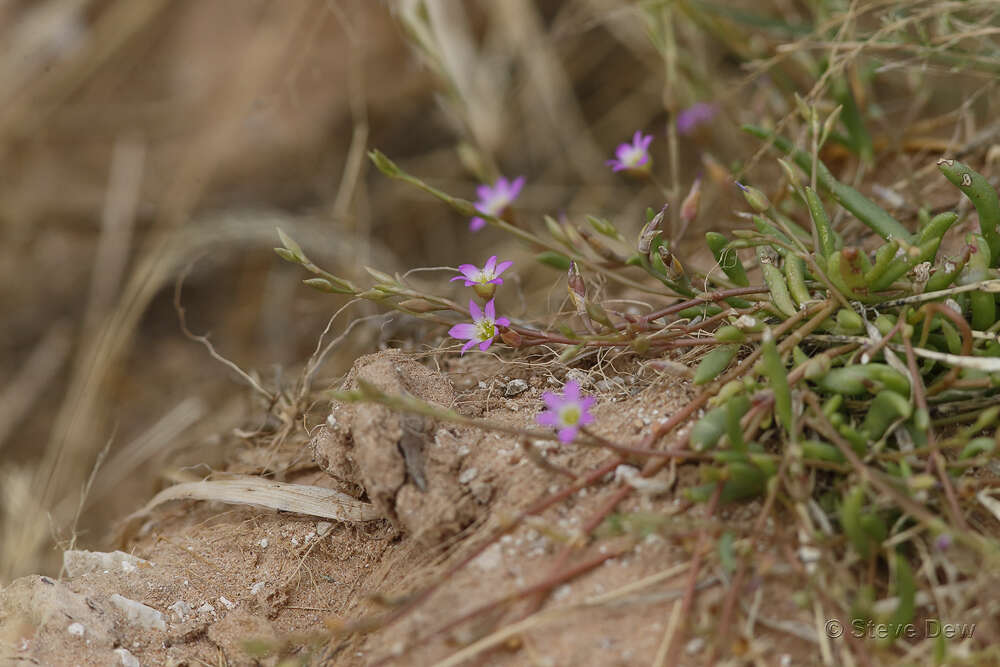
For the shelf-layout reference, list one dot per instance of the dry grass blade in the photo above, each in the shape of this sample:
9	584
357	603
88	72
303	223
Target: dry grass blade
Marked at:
298	498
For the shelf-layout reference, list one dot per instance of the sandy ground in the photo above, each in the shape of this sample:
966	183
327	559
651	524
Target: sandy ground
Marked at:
235	585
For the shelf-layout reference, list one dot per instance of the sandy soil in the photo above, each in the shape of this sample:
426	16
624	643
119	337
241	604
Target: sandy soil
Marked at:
239	585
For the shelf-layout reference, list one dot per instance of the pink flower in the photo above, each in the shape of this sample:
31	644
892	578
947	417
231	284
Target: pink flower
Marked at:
495	199
568	412
695	115
483	280
483	328
633	156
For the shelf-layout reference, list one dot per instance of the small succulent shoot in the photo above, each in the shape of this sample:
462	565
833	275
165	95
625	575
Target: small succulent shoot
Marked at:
700	113
483	281
483	328
566	413
634	157
495	200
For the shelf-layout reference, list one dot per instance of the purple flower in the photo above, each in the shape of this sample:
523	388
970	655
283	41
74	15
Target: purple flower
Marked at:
483	280
943	542
568	412
633	156
693	116
495	200
483	328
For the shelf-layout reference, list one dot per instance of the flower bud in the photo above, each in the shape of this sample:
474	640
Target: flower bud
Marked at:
484	291
689	209
672	266
512	338
650	231
758	200
419	305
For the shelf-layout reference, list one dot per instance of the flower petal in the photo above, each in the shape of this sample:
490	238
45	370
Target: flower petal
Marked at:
491	311
571	391
463	331
466	347
485	345
476	224
547	418
502	321
502	266
490	265
484	192
567	434
552	401
515	188
475	311
586	402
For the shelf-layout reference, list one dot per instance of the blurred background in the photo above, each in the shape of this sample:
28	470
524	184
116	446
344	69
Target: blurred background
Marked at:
146	140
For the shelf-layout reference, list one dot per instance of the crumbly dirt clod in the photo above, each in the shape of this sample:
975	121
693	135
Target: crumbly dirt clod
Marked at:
395	457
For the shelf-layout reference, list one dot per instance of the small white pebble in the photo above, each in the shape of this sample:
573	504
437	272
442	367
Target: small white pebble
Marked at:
257	588
463	451
694	646
323	527
226	602
206	608
331	421
482	385
515	387
295	541
126	658
127	566
76	629
468	475
263	545
181	609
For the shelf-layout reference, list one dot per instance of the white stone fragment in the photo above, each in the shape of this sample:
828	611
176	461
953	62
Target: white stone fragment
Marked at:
323	528
78	562
578	376
181	609
515	387
468	475
206	608
228	604
694	646
257	588
126	658
76	629
139	614
646	486
263	543
490	559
